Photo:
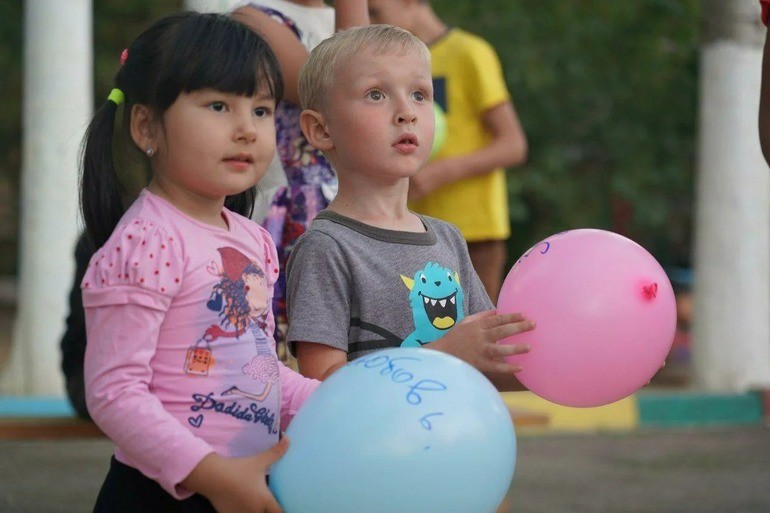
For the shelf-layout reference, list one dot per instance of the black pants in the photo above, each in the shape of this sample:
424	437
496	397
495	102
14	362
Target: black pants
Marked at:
126	490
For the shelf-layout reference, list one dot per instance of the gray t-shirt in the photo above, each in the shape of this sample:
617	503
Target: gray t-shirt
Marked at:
359	288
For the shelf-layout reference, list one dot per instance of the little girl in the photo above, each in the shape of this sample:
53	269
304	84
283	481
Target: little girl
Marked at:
181	370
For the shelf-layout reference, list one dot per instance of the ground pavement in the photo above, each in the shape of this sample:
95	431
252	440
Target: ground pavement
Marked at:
702	470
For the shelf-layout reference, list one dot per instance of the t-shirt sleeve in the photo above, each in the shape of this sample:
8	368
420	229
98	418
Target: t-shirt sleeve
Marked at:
127	290
318	292
475	293
486	75
141	264
765	10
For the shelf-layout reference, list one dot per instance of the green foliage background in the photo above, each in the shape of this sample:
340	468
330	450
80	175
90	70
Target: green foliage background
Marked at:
606	91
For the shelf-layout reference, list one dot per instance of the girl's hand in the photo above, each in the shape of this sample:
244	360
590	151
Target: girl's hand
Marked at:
475	341
238	485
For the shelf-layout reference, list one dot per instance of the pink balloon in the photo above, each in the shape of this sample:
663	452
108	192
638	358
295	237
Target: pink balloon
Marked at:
605	314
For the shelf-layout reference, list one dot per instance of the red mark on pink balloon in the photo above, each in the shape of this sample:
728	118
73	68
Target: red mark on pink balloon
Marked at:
650	291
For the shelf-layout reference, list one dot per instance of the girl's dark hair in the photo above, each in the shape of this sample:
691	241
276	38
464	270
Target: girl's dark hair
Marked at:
180	53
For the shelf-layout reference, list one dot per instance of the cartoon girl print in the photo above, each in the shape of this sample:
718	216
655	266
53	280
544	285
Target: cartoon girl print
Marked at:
241	299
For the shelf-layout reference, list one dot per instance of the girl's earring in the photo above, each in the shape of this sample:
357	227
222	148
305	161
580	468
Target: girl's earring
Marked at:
150	152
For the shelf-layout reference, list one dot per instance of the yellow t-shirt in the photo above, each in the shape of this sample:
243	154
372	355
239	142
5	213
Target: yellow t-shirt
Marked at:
468	80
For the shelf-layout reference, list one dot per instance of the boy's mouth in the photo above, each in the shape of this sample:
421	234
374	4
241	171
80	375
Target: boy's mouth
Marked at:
408	139
406	144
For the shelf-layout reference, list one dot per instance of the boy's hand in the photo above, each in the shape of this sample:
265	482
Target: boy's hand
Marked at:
238	485
474	340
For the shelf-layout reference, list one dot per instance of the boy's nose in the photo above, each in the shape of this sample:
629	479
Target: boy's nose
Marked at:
405	114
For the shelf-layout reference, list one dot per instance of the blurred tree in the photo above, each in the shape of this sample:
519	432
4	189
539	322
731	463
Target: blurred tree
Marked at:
116	23
606	92
10	129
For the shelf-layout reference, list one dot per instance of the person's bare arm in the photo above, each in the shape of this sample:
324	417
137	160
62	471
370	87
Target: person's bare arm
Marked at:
350	13
319	361
508	147
287	47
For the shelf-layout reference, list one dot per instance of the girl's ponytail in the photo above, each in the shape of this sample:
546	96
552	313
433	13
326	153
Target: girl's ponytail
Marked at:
101	191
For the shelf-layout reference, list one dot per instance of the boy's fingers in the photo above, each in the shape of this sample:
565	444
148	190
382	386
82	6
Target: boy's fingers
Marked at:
508	329
503	350
498	319
478	315
502	367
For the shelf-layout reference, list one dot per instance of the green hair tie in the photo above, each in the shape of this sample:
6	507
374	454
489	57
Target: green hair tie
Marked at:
116	96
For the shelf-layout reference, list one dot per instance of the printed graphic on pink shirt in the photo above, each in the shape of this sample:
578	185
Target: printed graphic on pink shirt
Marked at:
241	299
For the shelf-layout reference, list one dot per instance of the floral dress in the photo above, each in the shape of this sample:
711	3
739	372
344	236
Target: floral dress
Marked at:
311	183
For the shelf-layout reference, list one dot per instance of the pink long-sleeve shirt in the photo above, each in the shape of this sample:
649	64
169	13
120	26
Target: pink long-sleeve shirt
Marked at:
180	360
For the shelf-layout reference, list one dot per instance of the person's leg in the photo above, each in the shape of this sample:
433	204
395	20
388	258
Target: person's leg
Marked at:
488	259
126	490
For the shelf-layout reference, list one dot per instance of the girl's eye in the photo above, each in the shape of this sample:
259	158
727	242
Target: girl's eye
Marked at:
376	95
218	106
419	96
263	112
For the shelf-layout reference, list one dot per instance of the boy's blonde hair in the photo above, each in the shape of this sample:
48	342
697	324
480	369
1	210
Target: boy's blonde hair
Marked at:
317	74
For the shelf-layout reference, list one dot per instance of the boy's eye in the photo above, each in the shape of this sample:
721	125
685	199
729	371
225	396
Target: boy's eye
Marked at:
419	96
376	95
218	106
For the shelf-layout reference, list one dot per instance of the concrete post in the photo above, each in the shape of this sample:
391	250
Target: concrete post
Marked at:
58	101
731	342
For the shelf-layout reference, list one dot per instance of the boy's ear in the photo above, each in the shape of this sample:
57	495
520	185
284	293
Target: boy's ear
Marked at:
142	128
314	127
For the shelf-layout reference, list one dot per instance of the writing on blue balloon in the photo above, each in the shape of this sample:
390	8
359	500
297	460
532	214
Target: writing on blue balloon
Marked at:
426	423
395	370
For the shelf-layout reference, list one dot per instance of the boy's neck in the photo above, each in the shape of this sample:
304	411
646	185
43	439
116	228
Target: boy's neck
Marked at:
379	207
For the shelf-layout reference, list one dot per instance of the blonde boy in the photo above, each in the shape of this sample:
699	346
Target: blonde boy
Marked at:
369	273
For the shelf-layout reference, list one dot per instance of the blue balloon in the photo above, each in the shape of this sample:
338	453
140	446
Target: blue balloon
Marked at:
403	430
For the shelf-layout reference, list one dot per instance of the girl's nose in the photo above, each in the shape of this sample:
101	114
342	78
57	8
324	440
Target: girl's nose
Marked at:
247	130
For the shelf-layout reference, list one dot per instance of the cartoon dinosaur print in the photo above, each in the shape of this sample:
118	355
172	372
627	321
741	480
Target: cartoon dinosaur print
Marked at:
436	298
